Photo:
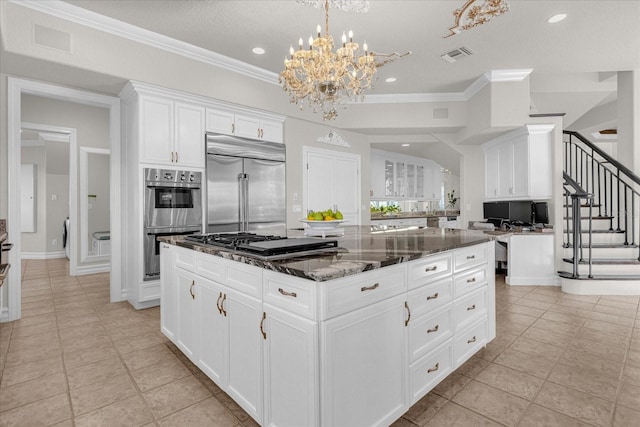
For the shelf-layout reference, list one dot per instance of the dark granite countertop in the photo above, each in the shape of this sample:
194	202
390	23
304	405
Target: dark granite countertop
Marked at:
360	249
403	215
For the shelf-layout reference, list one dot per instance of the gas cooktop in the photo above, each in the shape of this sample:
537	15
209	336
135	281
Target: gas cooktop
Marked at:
268	247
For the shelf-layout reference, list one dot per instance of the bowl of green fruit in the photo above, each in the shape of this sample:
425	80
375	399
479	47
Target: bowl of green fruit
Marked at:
323	219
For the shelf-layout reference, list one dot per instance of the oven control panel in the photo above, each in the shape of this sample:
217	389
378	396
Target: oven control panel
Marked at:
159	176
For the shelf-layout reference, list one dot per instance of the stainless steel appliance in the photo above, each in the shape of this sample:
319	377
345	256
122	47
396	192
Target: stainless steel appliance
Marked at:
245	185
172	206
266	247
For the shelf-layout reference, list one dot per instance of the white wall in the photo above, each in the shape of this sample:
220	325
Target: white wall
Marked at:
37	242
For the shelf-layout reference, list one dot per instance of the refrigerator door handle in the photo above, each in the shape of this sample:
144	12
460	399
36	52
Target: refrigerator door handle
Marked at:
243	199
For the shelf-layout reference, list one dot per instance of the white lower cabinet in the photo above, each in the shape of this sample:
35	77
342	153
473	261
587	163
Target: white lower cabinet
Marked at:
168	289
353	351
363	366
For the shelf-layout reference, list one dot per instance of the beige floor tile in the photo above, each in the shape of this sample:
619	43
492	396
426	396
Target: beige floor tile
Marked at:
555	326
523	362
130	344
32	391
629	396
74	344
209	412
626	417
563	318
633	358
84	356
582	406
492	403
174	396
94	372
42	354
424	409
36	329
34	342
160	373
582	346
608	328
510	380
455	415
50	410
537	348
538	416
472	367
604	338
103	393
630	303
82	331
631	374
118	334
617	311
521	319
17	374
147	356
603	384
451	385
556	338
594	363
131	412
611	318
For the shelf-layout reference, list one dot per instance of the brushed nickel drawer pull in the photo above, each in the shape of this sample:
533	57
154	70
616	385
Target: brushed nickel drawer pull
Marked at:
434	329
264	334
287	294
435	368
406	322
428	269
434	296
471	257
473	279
218	303
193	296
471	340
369	288
176	157
473	307
224	298
172	157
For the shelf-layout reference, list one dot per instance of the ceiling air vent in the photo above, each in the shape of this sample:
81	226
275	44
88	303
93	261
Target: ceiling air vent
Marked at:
456	54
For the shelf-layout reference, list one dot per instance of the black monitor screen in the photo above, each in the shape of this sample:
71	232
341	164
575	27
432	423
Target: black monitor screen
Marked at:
496	210
541	212
520	212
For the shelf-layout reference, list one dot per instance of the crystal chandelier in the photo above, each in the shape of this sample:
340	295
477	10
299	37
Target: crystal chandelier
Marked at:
473	14
325	79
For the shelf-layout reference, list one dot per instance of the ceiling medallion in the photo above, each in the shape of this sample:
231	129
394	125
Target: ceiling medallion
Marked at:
473	14
325	79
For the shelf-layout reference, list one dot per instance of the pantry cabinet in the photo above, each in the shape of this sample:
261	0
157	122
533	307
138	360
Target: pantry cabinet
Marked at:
253	126
518	165
398	177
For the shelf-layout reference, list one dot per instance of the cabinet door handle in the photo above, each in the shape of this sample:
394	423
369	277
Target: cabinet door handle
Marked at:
193	296
369	288
287	294
218	303
473	307
434	329
233	128
176	157
471	340
471	257
473	279
264	334
224	298
406	322
435	368
428	269
172	157
434	296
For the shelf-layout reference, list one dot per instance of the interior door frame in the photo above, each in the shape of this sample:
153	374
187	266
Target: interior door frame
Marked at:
16	87
336	154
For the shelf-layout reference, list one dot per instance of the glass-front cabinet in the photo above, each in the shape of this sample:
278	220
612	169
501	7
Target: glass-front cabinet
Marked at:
400	178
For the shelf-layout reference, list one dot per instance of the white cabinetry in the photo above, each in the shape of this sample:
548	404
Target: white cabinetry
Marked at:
171	133
518	165
187	325
168	303
260	127
398	177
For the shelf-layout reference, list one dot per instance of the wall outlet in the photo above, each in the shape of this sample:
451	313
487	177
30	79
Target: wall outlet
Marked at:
295	197
297	208
54	242
54	197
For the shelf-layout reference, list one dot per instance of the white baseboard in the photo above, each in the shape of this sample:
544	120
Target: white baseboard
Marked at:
532	281
4	314
83	270
43	255
601	287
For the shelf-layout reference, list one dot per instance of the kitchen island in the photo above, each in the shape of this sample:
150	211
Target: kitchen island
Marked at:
352	337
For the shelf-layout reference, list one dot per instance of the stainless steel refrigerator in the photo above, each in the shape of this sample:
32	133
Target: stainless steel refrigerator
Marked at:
245	186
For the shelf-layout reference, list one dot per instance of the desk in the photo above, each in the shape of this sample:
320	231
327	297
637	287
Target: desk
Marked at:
530	259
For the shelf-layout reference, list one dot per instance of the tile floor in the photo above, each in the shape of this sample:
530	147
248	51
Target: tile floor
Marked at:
75	359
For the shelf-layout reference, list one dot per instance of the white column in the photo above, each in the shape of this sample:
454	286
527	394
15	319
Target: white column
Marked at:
629	119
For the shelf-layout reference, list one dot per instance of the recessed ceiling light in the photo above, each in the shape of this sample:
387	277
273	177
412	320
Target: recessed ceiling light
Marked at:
258	50
390	79
406	145
557	18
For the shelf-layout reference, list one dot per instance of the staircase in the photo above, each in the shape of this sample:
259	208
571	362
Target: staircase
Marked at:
601	222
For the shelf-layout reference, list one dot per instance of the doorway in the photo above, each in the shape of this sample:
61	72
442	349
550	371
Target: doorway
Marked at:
15	89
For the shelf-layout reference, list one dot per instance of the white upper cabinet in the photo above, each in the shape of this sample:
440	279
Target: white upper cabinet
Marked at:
518	165
403	177
245	125
171	133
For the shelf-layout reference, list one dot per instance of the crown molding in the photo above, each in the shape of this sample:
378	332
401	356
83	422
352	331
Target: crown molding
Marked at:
398	98
78	15
497	76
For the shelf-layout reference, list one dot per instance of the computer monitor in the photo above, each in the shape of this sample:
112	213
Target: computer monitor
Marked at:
496	210
540	213
520	212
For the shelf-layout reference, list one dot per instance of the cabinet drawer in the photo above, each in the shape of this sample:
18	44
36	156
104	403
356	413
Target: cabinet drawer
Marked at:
427	332
185	258
428	298
468	257
210	266
348	294
471	307
469	341
429	269
294	296
427	372
468	281
244	278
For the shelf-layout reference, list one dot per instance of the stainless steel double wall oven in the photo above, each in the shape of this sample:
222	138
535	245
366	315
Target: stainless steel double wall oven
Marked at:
172	205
